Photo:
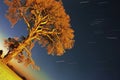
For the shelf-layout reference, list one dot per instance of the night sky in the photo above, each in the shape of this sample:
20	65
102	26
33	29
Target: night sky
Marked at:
96	53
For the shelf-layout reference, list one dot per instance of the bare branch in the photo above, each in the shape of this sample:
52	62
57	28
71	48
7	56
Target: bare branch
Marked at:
26	21
27	51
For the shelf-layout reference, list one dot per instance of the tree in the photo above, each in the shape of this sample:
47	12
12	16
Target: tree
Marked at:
47	23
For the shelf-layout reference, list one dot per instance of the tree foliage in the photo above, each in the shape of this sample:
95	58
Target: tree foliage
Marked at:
47	23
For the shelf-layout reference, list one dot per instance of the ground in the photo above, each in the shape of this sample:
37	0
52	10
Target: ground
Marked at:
6	73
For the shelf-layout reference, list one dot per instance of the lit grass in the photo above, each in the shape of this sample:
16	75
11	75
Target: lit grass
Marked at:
6	73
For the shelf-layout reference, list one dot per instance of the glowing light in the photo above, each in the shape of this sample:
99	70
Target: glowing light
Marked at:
2	47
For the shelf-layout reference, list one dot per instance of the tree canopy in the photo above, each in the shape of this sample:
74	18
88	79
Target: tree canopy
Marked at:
47	23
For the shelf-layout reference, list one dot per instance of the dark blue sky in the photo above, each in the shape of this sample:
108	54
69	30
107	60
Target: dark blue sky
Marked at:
97	30
96	53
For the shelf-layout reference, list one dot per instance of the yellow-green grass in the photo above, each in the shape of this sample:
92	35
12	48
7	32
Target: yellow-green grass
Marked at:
7	74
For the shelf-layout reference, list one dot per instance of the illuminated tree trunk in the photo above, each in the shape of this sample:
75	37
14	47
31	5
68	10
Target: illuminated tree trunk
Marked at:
18	50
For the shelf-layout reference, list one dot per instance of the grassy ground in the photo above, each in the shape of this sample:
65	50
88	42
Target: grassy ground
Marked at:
6	73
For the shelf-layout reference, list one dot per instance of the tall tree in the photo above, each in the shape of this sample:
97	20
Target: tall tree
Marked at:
47	23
